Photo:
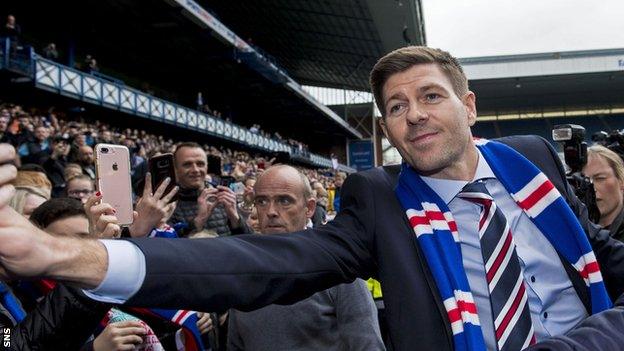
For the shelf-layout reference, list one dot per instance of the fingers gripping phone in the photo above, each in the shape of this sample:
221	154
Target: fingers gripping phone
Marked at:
161	167
112	166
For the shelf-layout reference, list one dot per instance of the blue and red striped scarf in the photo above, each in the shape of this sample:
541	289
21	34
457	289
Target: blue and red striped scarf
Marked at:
187	320
436	232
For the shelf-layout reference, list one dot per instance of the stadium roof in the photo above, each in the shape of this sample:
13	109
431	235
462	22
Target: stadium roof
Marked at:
547	83
141	41
328	42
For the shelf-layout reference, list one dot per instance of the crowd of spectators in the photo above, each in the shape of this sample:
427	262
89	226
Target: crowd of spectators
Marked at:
12	31
64	148
55	187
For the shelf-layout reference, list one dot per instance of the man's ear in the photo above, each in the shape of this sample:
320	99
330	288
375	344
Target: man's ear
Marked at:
310	207
470	104
384	129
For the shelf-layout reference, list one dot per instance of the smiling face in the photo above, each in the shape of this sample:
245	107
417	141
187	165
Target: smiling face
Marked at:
191	166
428	123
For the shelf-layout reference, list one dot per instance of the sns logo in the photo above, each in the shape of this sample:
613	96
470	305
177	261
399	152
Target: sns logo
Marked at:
6	337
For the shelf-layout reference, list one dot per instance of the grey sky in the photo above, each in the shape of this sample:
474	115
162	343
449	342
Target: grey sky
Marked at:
469	28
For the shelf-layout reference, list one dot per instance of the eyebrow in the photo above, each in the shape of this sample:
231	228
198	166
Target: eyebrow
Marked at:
425	88
431	86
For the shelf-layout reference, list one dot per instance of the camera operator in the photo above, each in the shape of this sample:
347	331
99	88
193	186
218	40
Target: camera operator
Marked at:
605	168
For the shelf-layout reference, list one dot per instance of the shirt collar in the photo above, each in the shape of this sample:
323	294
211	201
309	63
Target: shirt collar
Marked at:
447	189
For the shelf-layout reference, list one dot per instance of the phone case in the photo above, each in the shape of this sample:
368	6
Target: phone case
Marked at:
161	167
113	179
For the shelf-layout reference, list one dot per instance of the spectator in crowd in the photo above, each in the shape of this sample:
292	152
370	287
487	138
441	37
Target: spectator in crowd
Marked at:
342	317
11	30
55	165
252	221
5	116
86	160
32	188
320	212
37	150
72	170
80	187
200	206
138	164
67	217
106	137
50	52
30	175
338	181
19	130
92	65
62	216
27	199
605	169
63	319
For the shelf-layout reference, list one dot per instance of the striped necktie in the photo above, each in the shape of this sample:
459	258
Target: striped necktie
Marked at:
508	298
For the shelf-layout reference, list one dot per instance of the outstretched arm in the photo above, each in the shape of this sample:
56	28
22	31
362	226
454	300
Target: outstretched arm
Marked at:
245	272
250	271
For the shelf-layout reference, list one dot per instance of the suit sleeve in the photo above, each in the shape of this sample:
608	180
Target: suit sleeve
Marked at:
609	251
602	331
251	271
356	316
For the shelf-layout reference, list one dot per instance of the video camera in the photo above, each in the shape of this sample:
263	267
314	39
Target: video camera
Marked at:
613	141
575	154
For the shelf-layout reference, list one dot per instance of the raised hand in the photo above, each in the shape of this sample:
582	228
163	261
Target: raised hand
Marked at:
152	208
206	202
227	197
102	220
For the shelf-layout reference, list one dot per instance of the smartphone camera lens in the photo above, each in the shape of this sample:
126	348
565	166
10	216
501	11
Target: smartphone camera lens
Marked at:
104	150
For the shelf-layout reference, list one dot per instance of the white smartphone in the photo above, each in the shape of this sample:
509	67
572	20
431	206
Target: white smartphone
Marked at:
112	166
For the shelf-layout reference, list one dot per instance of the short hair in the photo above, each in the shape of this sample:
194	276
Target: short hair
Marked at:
56	209
189	144
613	159
402	59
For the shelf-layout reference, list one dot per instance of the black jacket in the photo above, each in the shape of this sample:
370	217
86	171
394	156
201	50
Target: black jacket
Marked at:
63	320
371	236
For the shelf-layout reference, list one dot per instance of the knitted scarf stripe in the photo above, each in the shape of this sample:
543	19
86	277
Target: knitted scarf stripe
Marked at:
436	232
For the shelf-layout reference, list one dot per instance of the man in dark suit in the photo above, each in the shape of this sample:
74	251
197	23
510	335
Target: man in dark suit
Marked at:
428	111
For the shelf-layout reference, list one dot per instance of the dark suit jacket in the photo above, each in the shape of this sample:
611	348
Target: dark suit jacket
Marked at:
370	237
